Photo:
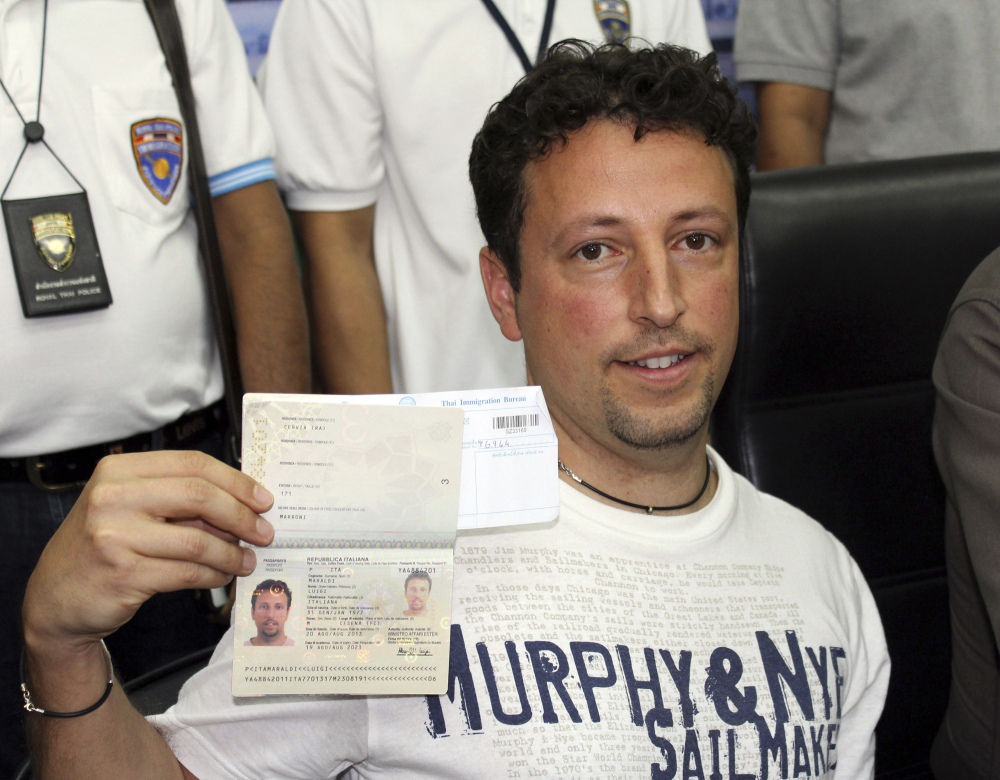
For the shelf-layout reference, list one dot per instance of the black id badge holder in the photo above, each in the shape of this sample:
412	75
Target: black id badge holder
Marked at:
57	262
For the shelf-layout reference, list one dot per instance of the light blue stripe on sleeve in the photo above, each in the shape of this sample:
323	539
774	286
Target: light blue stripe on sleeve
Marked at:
251	173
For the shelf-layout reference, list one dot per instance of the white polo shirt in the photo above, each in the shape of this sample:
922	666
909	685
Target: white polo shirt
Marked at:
379	100
77	379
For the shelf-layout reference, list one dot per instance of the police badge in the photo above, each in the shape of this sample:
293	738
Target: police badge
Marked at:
613	16
158	145
60	230
55	239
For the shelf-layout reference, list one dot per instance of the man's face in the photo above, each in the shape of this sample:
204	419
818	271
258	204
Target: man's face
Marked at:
270	613
629	297
417	591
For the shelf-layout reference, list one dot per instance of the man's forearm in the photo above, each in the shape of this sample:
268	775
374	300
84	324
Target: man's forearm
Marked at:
347	312
793	125
268	308
146	523
112	741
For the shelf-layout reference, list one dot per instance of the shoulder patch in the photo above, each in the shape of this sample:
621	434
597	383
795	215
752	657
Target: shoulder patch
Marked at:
158	145
614	18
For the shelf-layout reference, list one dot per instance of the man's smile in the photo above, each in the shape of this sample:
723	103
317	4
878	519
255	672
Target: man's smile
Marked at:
664	361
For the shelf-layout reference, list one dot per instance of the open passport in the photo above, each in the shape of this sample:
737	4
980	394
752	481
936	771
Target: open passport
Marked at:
354	594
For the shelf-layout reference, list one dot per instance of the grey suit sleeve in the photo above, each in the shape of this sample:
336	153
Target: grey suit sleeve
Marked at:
967	425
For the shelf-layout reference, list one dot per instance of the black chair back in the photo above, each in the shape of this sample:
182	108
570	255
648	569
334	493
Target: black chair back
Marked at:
847	278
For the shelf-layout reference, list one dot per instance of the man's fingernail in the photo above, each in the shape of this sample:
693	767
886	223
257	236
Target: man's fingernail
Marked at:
264	528
261	495
249	560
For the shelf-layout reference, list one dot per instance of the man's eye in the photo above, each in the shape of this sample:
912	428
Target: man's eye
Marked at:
696	241
593	252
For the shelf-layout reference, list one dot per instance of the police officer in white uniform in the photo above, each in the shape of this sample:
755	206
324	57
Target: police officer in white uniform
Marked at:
374	105
116	351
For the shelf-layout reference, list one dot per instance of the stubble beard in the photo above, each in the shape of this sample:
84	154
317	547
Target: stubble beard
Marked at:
643	433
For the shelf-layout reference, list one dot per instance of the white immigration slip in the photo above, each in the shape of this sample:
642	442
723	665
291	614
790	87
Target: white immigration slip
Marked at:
354	594
509	450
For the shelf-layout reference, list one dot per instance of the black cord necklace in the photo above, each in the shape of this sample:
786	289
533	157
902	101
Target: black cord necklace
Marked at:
649	509
34	131
543	43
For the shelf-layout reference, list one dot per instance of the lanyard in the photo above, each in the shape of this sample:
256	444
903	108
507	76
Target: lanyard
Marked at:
543	43
33	131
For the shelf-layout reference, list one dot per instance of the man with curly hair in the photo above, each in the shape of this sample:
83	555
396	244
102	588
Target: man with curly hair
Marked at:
671	622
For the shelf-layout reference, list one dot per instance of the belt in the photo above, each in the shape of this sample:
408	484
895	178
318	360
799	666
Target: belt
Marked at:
70	469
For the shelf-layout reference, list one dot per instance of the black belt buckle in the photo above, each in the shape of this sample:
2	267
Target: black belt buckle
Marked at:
35	466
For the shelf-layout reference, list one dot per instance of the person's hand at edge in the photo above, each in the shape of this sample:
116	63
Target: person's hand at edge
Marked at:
145	523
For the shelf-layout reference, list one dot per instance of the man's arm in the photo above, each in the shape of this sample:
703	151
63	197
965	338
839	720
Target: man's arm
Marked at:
866	669
259	257
146	523
967	434
347	312
793	124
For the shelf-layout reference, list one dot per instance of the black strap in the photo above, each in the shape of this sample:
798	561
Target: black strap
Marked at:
515	43
168	30
33	130
41	73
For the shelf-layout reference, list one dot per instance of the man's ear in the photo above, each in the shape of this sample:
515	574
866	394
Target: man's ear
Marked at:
499	293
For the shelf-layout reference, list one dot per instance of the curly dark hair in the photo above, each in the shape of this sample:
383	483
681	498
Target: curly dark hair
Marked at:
271	586
652	88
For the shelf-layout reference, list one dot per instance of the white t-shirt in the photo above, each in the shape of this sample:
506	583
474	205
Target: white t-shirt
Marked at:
603	644
379	100
77	379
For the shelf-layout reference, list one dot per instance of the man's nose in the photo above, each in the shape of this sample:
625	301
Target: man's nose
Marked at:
656	294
